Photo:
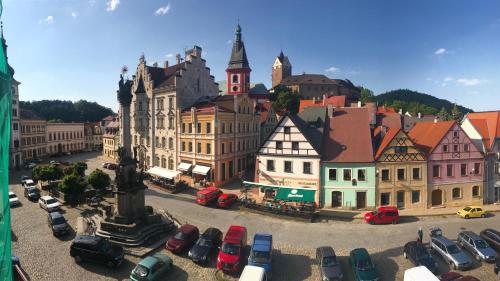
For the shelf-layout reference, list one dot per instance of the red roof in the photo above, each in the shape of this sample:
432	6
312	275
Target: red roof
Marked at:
384	109
388	137
335	101
487	124
389	119
427	135
205	107
108	118
349	137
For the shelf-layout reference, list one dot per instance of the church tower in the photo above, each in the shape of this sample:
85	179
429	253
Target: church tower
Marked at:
238	70
281	69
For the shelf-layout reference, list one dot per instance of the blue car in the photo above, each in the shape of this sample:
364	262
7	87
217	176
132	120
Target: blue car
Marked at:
261	252
152	268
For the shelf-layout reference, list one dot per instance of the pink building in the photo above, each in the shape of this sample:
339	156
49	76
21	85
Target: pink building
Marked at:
455	164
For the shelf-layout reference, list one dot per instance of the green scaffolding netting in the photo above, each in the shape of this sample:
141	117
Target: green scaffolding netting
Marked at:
5	111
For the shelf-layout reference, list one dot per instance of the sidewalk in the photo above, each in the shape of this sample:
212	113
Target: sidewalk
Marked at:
354	214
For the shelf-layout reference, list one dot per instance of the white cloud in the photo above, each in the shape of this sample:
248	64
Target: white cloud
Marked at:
162	10
332	69
111	5
170	55
441	51
469	82
74	14
47	20
448	79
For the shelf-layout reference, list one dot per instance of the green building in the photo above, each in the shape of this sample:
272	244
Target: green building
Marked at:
347	166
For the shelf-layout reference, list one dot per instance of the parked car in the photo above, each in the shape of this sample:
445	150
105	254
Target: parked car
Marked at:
24	179
329	266
226	200
383	215
253	273
183	239
450	253
13	200
261	253
492	237
476	246
467	278
54	162
419	273
231	254
152	268
29	182
471	212
36	160
208	196
362	265
112	166
450	276
30	165
96	249
105	165
32	193
417	253
57	223
49	203
496	269
203	249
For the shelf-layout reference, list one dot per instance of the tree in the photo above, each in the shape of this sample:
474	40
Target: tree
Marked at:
72	186
366	95
287	102
67	111
99	179
76	169
456	114
443	114
47	173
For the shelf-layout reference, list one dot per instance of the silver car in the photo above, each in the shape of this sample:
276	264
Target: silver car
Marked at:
476	245
456	258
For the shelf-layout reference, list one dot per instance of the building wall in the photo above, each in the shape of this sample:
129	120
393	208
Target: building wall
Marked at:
346	187
280	71
466	196
110	147
33	139
65	137
15	150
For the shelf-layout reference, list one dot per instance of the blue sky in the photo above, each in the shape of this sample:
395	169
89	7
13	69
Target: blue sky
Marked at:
74	49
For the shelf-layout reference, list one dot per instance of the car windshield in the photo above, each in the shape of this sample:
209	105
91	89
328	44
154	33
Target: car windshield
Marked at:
51	201
204	242
232	249
364	265
180	236
481	244
12	196
141	271
105	246
453	249
422	253
330	261
260	257
467	209
32	190
58	220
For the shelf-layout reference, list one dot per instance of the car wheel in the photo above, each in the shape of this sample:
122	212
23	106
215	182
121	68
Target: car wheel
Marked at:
483	216
395	222
466	217
78	259
111	264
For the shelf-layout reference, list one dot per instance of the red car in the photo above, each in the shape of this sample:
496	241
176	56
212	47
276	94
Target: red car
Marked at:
226	200
383	215
185	237
208	195
231	253
450	276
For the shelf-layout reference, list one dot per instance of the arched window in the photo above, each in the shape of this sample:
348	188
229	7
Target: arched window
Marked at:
235	78
170	143
456	193
475	191
170	163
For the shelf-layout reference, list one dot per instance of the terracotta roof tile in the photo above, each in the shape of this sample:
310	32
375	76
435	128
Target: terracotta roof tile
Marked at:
487	124
389	119
427	135
335	101
386	140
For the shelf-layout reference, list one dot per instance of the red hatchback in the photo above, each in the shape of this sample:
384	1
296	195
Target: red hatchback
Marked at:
208	196
383	215
231	253
226	200
185	237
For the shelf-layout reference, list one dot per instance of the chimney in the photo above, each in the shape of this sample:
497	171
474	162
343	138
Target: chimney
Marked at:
165	64
400	111
419	115
324	98
435	120
314	100
155	64
359	103
329	109
178	58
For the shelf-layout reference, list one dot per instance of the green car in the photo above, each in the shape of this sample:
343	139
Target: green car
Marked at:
362	265
152	268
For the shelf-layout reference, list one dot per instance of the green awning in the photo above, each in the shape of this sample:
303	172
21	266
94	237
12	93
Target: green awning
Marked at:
296	194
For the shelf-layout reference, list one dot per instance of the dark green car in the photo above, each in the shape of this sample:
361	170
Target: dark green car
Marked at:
362	265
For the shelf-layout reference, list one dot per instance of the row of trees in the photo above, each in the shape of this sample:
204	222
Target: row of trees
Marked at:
73	182
67	111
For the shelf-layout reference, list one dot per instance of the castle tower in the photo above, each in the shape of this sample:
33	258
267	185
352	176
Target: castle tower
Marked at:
238	70
281	69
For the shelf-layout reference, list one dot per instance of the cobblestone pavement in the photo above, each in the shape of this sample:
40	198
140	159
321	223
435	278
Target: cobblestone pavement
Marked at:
45	257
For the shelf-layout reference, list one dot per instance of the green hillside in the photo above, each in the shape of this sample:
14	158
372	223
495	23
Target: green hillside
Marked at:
67	111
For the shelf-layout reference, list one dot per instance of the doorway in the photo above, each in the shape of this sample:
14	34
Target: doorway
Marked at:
400	199
336	199
360	199
497	194
437	197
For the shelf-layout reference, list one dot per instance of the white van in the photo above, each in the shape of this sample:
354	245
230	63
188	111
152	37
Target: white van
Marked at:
253	273
420	273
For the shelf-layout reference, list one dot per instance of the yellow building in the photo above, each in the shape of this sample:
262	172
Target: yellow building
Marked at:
110	141
219	138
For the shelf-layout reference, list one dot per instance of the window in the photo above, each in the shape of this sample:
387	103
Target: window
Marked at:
456	193
385	198
466	147
223	148
279	145
209	148
361	174
307	168
401	174
157	142
475	191
170	122
416	173
170	103
198	128
270	165
449	170
463	170
415	196
477	168
497	168
183	127
295	145
455	148
198	147
347	174
385	174
288	166
436	171
401	149
332	174
445	148
170	163
235	78
209	128
223	127
190	128
190	147
455	133
170	143
15	126
287	130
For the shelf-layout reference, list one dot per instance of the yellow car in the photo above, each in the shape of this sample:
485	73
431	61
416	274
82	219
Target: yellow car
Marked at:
472	212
